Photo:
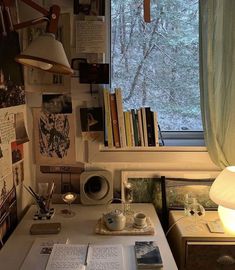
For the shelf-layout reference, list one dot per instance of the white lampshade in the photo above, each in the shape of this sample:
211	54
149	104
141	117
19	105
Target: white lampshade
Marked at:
222	192
46	53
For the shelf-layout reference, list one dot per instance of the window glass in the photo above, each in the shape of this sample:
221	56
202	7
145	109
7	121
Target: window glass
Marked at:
157	64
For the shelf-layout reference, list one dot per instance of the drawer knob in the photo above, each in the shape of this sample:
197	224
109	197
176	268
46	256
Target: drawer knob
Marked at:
225	260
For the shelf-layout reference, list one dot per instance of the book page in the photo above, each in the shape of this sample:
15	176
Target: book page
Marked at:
105	257
69	257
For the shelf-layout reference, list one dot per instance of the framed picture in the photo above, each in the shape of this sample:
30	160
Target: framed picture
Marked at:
176	190
153	186
146	187
40	81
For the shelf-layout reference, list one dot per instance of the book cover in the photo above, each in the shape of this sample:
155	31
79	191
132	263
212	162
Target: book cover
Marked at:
155	125
145	133
114	117
132	129
128	128
147	255
121	124
108	119
135	127
150	127
140	127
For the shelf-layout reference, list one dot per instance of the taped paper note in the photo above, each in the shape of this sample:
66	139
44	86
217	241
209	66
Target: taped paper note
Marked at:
90	37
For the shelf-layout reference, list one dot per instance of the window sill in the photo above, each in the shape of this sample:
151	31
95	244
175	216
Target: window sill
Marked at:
155	149
191	157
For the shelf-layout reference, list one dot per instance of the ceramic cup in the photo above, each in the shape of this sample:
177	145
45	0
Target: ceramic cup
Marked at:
140	220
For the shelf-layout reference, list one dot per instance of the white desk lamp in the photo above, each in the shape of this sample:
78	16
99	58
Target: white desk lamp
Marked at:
222	192
45	52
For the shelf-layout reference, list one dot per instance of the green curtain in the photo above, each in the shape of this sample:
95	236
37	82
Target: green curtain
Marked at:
217	57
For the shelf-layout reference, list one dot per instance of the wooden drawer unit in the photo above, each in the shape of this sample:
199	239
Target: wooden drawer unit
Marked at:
210	255
199	249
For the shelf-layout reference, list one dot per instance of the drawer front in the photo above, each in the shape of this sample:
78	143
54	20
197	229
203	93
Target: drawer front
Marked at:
210	255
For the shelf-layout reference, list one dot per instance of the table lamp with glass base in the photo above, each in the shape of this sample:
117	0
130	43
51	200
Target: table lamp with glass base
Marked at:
195	211
68	198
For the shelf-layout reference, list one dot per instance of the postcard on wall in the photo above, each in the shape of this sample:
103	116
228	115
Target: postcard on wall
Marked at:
92	123
20	129
17	152
54	138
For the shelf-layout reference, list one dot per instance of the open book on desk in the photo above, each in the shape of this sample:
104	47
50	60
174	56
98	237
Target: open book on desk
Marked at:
80	257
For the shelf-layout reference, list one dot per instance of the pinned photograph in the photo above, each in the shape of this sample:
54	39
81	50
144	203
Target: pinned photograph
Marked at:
18	173
57	103
92	123
16	152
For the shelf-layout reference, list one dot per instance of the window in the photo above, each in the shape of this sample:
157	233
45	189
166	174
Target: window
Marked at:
157	64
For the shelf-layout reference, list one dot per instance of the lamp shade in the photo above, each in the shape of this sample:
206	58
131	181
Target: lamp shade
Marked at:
222	191
46	53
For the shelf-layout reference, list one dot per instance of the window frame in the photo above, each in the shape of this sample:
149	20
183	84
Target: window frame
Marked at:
170	138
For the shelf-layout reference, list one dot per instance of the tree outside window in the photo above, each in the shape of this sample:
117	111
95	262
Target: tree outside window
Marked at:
157	64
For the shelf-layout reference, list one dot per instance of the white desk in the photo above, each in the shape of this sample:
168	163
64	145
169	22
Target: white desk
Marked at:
80	230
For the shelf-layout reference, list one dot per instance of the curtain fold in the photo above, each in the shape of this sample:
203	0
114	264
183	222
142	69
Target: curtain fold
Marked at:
217	60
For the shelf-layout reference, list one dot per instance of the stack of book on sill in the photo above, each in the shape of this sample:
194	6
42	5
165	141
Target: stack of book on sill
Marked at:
133	128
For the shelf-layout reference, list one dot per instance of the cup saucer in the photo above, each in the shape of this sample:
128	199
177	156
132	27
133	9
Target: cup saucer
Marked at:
139	226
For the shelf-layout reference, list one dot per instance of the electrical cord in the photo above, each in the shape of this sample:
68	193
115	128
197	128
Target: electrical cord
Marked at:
171	227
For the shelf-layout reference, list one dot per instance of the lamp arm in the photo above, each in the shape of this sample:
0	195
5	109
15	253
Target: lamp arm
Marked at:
52	16
35	6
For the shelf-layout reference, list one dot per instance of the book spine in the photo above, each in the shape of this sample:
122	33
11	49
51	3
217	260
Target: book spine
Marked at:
114	120
108	119
140	127
128	128
135	128
155	125
132	129
144	126
121	124
150	127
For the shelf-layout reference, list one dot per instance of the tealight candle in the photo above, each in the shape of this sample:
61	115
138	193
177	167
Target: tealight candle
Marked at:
68	198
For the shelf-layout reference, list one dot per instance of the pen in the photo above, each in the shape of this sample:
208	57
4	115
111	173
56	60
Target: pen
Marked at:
87	254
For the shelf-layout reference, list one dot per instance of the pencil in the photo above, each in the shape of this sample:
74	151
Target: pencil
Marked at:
87	254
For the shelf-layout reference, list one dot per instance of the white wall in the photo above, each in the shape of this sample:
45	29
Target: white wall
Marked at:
117	161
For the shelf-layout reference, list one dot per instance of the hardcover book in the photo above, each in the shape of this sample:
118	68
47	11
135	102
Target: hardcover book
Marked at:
108	119
150	127
147	255
114	117
121	124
